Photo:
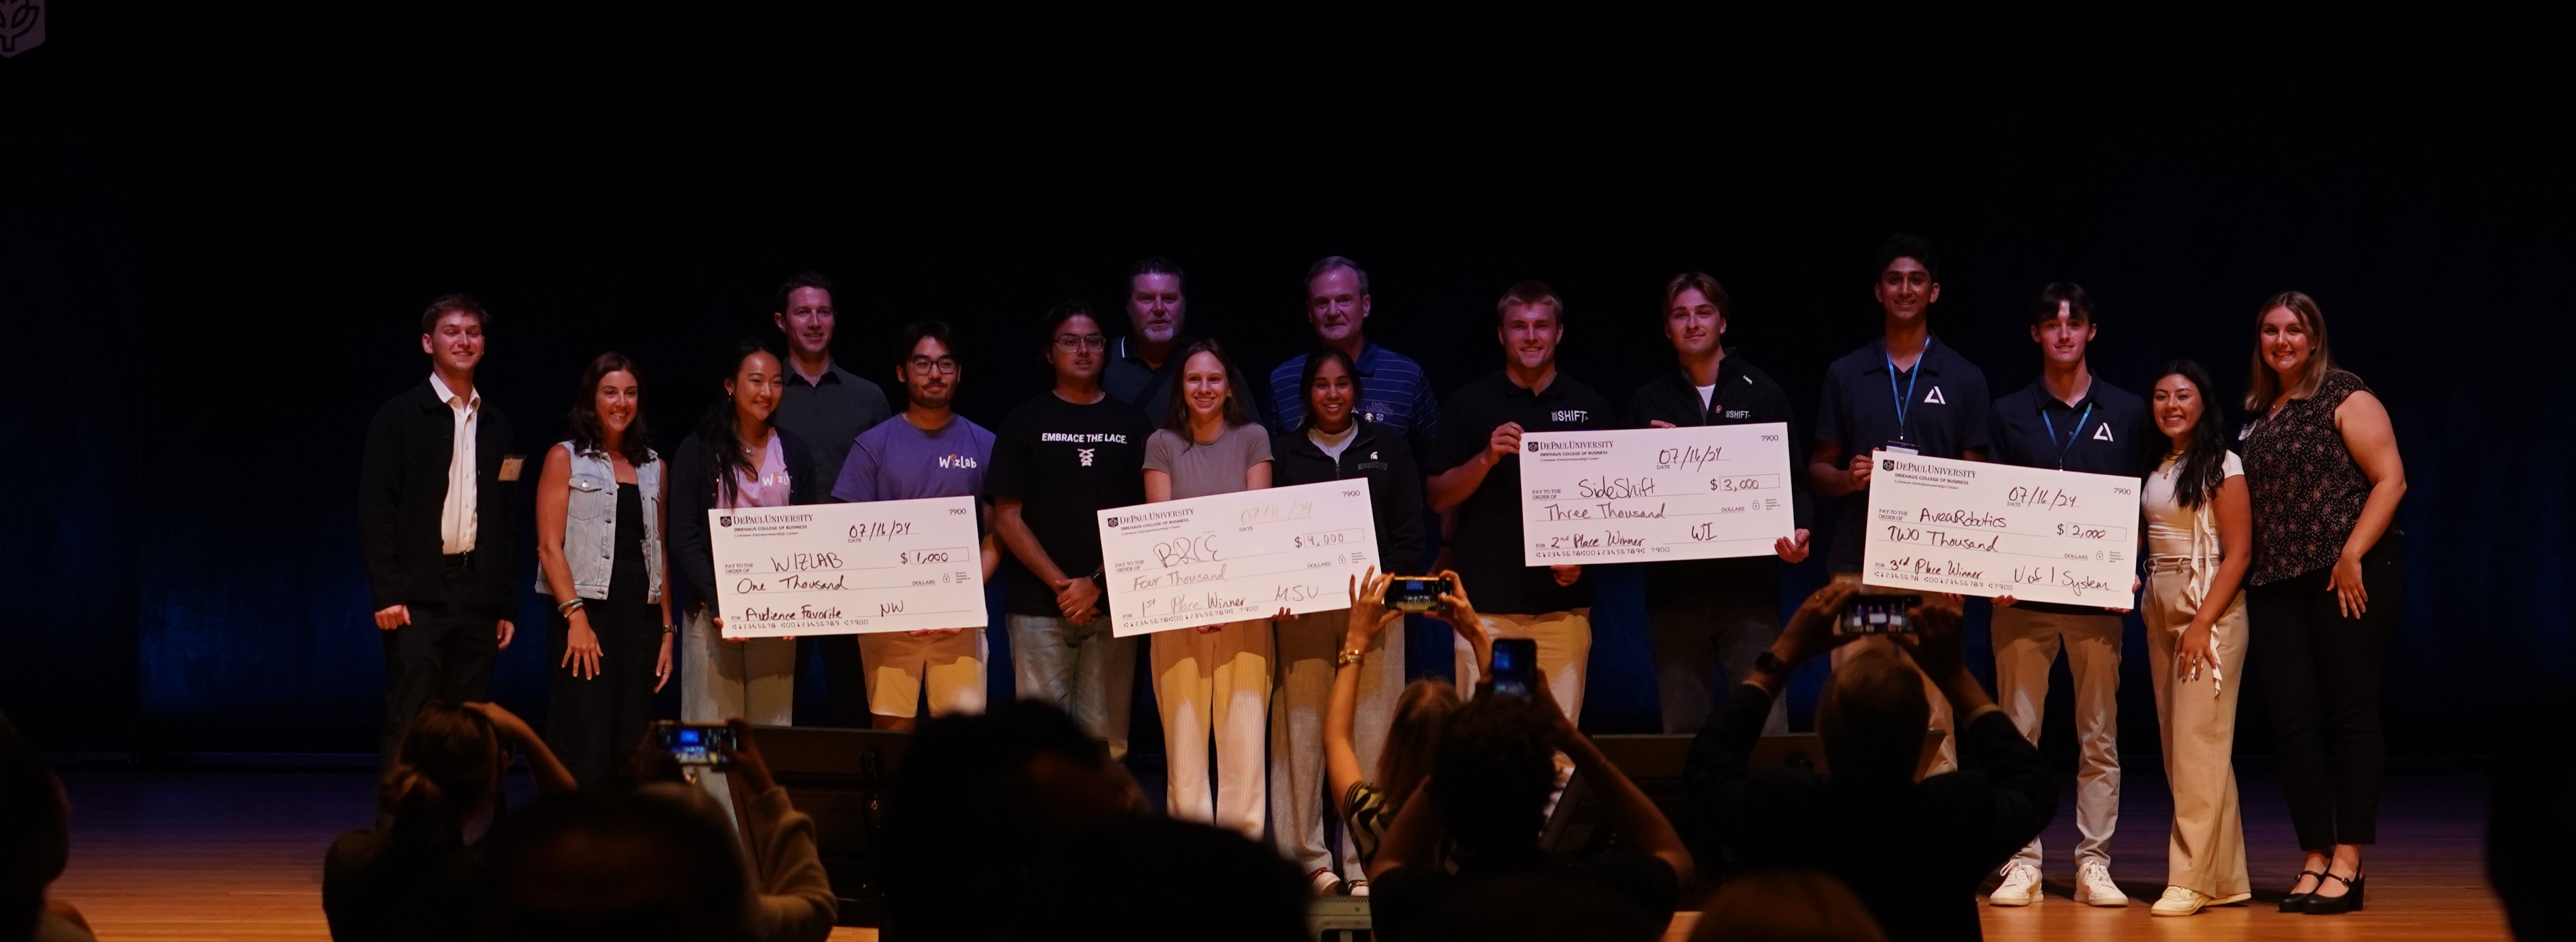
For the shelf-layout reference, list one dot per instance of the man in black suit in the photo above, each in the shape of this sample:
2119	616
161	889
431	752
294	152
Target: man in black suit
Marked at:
436	495
1913	851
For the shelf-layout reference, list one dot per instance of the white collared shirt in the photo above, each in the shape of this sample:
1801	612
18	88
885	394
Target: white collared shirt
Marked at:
456	517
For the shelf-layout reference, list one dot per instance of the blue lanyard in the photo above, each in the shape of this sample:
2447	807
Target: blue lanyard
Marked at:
1906	397
2071	436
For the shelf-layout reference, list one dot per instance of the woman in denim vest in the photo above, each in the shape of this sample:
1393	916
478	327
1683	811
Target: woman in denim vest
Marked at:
599	554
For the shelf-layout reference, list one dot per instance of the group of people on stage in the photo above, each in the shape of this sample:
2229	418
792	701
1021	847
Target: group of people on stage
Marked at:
2273	547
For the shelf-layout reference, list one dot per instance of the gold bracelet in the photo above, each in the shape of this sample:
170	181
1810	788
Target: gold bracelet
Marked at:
1350	656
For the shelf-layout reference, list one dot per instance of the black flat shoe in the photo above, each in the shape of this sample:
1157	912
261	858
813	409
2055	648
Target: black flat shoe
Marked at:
2349	902
2298	902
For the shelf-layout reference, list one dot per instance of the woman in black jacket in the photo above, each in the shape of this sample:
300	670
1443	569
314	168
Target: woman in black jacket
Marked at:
735	461
1334	443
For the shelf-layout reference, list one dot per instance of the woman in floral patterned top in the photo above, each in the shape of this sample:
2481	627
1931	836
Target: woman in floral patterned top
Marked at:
2321	462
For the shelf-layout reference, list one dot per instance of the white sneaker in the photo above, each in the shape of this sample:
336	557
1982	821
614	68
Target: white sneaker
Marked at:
2020	887
2093	886
1324	882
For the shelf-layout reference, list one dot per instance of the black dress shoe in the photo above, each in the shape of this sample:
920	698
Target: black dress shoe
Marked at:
2298	902
2349	902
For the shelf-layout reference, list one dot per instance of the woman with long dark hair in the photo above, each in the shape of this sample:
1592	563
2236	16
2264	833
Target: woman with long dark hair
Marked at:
1212	680
1333	442
599	556
2200	541
2322	467
415	876
736	459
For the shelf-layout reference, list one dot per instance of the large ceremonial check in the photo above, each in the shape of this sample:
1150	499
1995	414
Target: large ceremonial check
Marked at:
1231	557
1641	495
843	569
1995	529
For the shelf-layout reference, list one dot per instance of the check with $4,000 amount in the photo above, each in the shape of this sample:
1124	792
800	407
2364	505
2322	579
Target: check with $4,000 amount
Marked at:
1231	557
1652	494
1972	528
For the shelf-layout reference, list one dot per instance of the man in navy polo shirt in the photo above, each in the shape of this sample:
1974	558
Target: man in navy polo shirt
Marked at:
1905	391
2069	421
1475	471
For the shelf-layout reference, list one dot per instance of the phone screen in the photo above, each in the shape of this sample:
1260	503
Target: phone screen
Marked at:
696	744
1515	666
1417	593
1878	615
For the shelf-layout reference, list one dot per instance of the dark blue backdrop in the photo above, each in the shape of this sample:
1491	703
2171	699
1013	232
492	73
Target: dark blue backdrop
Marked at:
221	230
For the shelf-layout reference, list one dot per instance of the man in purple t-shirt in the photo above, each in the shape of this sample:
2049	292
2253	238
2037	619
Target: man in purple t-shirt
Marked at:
926	450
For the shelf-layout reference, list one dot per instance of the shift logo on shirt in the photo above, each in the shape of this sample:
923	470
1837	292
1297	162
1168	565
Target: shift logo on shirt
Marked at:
1570	415
961	461
1934	397
1737	413
2103	434
1084	454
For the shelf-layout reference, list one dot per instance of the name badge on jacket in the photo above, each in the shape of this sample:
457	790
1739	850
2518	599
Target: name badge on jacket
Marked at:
510	466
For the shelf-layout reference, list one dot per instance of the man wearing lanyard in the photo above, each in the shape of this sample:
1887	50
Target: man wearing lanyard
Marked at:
1905	391
2068	421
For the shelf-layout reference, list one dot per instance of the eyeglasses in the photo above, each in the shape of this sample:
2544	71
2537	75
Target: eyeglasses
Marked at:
1070	343
928	365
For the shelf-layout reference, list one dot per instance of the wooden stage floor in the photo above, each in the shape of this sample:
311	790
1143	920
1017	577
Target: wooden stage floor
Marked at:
225	855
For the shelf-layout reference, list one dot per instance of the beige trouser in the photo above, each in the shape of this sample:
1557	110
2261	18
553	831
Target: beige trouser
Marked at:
2026	644
754	679
899	664
2197	722
1216	683
1947	758
1308	646
1564	652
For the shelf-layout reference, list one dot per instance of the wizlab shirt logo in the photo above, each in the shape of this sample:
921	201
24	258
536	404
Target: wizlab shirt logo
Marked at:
957	461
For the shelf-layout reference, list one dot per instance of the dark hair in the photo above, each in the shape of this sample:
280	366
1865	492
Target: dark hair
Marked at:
1871	720
1907	245
802	279
1156	265
1314	365
1176	416
446	304
934	329
1701	282
1413	737
35	832
1530	294
1786	906
1492	773
975	803
1330	262
2203	466
2044	308
609	865
716	431
1209	882
447	765
2264	385
584	418
1055	318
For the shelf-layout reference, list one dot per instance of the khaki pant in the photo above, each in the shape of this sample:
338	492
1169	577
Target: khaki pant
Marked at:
1564	653
899	664
2197	723
2026	644
1081	667
754	679
1308	645
1946	759
1216	684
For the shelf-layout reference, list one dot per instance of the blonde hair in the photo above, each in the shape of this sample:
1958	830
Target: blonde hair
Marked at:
2263	386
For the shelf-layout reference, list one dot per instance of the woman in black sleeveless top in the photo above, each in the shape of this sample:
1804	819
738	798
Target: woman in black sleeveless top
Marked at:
2322	466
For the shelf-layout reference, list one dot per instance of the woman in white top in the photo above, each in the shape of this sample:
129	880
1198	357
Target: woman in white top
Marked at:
1212	679
2200	540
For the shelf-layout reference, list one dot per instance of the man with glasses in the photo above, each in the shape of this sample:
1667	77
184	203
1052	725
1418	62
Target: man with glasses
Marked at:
1057	460
927	450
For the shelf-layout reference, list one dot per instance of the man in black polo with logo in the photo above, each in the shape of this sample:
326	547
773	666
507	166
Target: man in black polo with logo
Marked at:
1476	472
1905	392
2068	420
1709	618
437	497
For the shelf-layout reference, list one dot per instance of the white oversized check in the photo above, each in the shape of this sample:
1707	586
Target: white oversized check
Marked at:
1973	528
1231	557
1641	495
841	569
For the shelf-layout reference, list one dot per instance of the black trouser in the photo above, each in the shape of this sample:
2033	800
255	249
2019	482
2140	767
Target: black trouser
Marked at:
593	723
446	653
2321	674
845	680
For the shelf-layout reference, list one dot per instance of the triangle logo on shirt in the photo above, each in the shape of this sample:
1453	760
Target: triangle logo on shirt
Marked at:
1934	397
2103	434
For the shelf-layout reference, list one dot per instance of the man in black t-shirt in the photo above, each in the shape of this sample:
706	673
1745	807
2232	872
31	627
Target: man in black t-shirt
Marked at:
1709	618
1057	459
1476	475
